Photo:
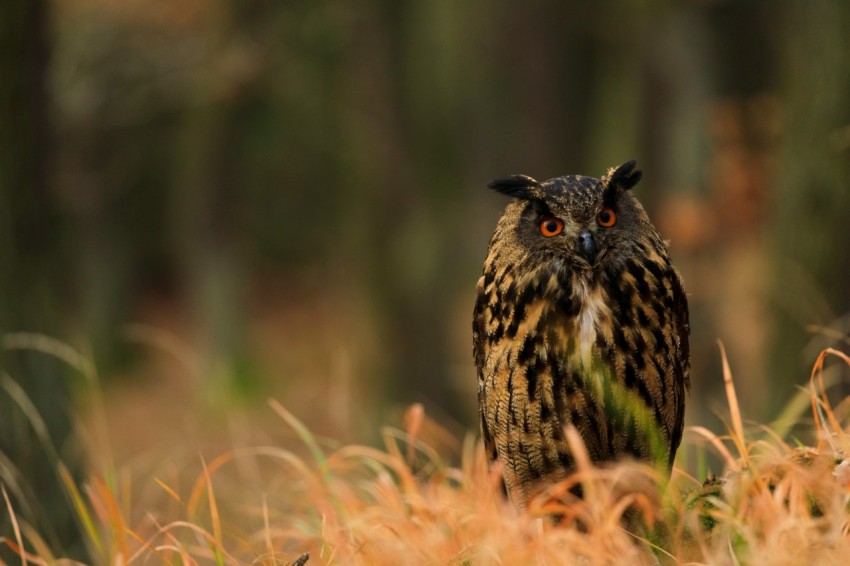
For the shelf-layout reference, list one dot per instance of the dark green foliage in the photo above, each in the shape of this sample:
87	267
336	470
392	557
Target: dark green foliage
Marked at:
702	499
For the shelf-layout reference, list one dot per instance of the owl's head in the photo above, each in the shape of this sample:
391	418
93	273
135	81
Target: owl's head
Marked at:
585	221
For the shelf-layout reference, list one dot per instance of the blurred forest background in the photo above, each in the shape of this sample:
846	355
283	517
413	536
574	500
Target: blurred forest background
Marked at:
224	200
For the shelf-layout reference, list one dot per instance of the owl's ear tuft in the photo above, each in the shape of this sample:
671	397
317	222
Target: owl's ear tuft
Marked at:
517	186
624	177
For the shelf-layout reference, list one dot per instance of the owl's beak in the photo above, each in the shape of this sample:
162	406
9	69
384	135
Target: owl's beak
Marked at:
587	245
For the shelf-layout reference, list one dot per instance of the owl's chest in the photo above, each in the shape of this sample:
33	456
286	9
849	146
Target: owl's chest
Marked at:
591	323
566	325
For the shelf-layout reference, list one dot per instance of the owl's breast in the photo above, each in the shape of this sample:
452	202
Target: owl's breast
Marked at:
592	321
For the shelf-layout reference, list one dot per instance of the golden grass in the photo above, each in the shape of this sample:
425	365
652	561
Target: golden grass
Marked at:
774	503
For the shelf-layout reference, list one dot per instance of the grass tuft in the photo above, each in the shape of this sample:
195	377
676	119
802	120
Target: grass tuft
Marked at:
776	501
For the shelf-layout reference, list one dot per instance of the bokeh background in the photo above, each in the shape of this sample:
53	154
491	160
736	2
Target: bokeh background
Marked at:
221	201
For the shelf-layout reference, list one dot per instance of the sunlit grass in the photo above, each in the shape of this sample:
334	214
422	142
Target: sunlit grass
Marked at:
776	501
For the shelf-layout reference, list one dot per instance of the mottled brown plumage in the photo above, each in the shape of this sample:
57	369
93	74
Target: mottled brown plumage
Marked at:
580	320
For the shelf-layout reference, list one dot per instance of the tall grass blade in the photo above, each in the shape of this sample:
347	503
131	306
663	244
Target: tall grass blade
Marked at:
304	434
731	396
214	517
15	528
81	508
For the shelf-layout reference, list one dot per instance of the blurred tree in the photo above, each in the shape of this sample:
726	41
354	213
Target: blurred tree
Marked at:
734	120
118	91
409	285
207	208
811	243
33	278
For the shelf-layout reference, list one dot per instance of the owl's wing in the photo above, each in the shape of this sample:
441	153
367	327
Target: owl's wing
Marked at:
682	327
682	381
486	437
478	337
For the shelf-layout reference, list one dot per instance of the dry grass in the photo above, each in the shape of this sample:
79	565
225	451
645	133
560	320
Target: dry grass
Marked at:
403	504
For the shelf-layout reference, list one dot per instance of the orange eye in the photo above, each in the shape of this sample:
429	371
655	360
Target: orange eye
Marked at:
551	226
606	217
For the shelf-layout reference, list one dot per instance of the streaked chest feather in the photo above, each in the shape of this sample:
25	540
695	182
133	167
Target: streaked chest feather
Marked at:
592	312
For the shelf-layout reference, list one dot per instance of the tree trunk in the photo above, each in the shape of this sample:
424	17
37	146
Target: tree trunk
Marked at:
30	285
812	243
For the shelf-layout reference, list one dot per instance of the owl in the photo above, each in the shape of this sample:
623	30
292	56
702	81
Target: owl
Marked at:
580	320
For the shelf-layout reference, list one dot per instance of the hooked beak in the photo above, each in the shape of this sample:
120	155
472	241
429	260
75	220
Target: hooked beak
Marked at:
587	245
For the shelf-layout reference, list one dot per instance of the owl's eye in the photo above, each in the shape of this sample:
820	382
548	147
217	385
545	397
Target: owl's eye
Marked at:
606	217
551	226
